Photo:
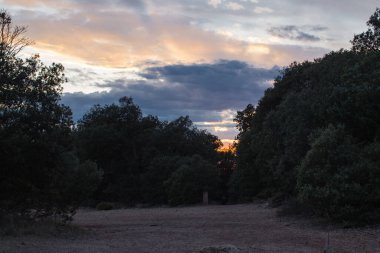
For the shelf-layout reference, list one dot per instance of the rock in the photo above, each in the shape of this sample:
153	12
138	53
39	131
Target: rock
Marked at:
221	249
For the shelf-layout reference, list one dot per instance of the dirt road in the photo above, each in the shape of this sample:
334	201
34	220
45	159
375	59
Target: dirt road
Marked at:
251	227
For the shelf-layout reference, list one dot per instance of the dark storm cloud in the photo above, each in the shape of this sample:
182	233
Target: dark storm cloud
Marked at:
199	90
296	33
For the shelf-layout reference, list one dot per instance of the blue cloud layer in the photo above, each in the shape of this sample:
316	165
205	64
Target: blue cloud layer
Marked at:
201	91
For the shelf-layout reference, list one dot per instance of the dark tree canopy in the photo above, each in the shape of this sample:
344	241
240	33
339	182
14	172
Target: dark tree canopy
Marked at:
369	40
139	153
244	118
338	179
187	183
37	162
48	169
315	136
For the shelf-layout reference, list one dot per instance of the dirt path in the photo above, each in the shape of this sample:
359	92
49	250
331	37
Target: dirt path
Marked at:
253	228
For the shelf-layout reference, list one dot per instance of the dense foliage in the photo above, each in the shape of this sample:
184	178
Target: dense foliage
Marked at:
187	183
316	135
38	168
49	166
139	154
370	40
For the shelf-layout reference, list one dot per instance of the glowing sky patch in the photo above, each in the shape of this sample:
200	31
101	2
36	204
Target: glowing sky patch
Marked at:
204	58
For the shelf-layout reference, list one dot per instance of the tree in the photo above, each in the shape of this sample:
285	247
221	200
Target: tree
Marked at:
110	135
37	162
370	40
152	181
12	40
181	137
138	154
244	118
225	166
193	176
338	179
340	89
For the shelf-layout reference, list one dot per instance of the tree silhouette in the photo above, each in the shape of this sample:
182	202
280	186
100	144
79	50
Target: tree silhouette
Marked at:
38	165
244	118
12	40
314	135
369	40
139	154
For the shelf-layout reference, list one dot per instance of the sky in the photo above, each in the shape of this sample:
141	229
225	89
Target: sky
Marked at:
202	58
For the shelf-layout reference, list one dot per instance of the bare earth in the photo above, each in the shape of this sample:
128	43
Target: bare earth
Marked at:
251	227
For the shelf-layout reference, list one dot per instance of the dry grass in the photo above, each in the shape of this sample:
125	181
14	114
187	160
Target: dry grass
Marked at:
253	228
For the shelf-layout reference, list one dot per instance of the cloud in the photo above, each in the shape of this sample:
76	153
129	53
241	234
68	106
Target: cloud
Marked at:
169	40
234	6
214	3
293	32
174	36
87	33
135	4
262	10
317	28
209	93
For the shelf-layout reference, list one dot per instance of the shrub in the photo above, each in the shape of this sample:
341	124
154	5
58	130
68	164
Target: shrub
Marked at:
159	170
187	183
340	179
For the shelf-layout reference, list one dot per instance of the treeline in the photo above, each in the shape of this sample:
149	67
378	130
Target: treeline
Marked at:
51	165
145	160
315	136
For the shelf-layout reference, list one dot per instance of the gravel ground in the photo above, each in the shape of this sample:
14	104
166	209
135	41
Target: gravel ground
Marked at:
251	227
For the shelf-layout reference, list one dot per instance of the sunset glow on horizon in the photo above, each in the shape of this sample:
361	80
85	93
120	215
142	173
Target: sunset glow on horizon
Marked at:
202	58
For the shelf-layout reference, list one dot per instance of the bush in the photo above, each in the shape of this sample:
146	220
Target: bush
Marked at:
84	180
340	179
104	206
187	183
152	181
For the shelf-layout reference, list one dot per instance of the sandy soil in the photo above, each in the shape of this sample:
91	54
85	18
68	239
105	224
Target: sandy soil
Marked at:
251	227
